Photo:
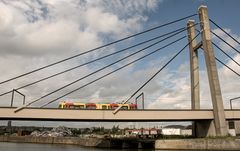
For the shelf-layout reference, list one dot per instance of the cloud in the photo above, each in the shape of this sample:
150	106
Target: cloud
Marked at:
48	27
36	33
175	89
228	39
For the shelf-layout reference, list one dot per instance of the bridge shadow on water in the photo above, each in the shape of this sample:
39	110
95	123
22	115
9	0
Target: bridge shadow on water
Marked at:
128	143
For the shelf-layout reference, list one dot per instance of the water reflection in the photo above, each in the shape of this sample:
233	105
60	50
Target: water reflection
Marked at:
4	146
53	147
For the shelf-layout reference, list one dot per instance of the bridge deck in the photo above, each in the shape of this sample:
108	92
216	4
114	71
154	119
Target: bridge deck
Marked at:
107	115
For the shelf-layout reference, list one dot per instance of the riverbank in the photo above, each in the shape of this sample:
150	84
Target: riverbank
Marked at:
87	142
223	144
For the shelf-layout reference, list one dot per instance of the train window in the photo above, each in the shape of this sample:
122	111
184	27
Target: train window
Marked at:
77	107
114	107
71	106
133	107
91	107
104	107
81	106
124	107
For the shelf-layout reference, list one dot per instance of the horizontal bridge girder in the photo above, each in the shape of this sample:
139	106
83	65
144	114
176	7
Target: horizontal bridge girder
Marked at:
198	46
107	115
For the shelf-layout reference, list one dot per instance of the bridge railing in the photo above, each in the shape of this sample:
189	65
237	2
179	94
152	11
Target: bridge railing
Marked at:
232	100
12	99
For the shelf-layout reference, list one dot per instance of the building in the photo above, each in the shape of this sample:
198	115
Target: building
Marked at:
143	132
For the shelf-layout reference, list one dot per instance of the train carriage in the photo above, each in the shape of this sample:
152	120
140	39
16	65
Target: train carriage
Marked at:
101	106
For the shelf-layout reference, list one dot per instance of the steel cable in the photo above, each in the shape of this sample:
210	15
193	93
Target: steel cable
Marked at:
225	42
91	50
81	65
92	73
224	64
115	111
226	53
106	75
225	31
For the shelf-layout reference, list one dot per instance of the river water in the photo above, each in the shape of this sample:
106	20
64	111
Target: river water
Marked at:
52	147
55	147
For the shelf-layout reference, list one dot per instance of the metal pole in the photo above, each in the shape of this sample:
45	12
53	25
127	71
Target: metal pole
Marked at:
143	100
231	104
21	95
12	98
232	100
136	100
24	99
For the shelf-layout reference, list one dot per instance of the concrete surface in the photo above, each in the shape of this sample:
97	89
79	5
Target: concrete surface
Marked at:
199	144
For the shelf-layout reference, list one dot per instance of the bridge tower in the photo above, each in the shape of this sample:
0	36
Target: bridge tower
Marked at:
217	127
194	70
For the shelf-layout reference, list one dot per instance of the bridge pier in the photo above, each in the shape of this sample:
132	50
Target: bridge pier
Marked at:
205	128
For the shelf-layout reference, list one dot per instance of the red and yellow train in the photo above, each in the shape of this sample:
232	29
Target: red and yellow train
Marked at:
101	106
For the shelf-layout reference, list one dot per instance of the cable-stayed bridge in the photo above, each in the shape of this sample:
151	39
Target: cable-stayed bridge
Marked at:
206	122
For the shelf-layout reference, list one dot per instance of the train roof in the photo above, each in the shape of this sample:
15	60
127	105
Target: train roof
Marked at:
105	103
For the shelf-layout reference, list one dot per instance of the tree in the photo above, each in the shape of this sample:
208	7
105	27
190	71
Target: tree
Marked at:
115	129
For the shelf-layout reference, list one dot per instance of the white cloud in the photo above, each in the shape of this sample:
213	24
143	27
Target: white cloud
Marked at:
225	37
36	33
175	90
44	27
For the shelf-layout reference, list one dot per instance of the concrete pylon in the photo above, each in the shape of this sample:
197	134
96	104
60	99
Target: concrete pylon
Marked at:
194	71
216	95
194	67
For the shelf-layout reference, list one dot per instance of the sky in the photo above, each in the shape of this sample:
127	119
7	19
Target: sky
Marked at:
35	33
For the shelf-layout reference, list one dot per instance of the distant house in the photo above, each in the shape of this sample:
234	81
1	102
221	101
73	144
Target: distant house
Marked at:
237	128
143	132
171	131
177	130
234	128
155	132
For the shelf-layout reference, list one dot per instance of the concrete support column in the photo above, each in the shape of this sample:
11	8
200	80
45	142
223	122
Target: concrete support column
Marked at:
194	67
205	128
194	71
216	95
